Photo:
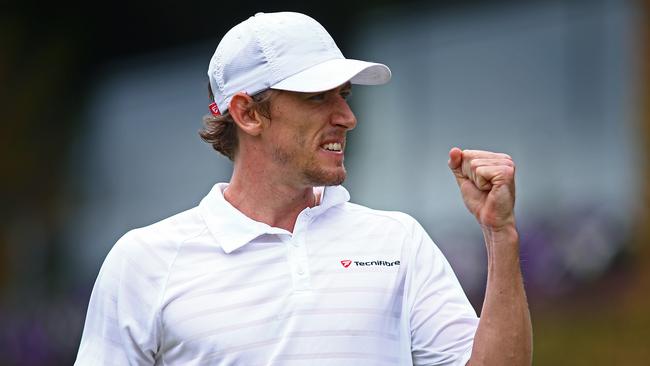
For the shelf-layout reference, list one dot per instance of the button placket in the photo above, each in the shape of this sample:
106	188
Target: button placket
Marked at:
298	257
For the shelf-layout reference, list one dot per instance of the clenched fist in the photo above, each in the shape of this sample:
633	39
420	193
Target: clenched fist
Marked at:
487	184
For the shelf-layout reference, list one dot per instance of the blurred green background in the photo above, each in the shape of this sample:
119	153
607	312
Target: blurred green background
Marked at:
91	111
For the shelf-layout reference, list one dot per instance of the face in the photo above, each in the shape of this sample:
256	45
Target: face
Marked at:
305	136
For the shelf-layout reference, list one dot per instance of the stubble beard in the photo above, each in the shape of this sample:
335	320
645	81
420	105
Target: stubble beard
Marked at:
320	177
311	174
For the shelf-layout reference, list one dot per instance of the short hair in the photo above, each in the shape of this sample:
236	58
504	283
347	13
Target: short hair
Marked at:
221	131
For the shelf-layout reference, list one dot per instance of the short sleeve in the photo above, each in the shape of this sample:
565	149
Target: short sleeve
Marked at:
442	320
122	325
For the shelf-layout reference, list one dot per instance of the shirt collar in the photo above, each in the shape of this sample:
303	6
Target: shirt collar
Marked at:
232	229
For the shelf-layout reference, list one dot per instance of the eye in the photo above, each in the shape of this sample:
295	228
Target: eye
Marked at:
346	94
317	97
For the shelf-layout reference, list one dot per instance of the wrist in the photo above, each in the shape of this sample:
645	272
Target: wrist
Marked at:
502	244
501	234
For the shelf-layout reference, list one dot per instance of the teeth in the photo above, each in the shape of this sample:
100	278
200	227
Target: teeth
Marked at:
332	146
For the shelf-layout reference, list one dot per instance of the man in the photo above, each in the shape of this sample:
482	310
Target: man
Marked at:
277	267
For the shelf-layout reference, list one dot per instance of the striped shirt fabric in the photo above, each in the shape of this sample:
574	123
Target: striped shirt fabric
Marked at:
210	286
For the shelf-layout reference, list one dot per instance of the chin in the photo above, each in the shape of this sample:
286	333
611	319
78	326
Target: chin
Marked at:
320	177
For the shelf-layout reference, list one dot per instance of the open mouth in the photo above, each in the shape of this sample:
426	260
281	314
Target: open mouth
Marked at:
332	146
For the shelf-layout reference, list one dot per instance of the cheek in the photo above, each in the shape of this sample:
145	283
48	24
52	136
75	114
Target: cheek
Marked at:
297	137
289	141
295	133
303	137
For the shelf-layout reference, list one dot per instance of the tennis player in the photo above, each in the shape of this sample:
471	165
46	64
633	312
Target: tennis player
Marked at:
277	267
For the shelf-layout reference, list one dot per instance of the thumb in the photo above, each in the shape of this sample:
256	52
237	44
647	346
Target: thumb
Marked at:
455	164
455	160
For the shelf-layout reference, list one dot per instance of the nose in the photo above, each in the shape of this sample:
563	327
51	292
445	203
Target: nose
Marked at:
342	114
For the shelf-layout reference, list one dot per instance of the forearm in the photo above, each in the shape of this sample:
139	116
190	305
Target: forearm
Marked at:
504	334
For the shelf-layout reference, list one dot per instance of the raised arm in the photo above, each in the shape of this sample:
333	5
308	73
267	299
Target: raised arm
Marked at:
487	184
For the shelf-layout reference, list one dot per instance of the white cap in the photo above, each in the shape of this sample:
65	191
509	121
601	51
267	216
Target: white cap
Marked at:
285	51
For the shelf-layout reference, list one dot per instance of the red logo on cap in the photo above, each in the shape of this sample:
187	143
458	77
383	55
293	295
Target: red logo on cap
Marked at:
214	109
346	263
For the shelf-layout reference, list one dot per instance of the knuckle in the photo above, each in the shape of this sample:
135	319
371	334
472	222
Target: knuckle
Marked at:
509	171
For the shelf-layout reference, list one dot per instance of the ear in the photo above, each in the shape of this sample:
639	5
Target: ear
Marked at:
248	121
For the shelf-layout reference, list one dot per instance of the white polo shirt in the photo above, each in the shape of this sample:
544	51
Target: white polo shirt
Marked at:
210	286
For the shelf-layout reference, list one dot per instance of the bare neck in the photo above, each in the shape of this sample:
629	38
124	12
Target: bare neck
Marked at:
271	201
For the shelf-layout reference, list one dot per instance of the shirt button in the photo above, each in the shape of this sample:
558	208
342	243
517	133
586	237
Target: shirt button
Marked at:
301	271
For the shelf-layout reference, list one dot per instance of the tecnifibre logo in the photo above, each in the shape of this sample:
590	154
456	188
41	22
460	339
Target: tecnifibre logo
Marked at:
346	263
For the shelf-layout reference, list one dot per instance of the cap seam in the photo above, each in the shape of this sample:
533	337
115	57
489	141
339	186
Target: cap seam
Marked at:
219	73
267	51
327	42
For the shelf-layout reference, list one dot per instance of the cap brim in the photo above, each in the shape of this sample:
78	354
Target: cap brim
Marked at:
332	73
